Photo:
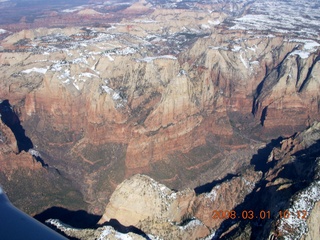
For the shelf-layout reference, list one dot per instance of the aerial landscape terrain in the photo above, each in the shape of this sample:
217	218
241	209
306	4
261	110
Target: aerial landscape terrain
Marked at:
162	119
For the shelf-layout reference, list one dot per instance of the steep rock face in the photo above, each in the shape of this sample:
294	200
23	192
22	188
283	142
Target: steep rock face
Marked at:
289	190
8	141
225	197
11	158
262	77
306	200
291	84
277	196
149	109
313	223
168	98
148	199
22	171
152	207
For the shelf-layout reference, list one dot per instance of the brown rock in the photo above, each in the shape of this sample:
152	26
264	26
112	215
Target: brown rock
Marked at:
7	139
10	158
313	224
224	197
142	202
152	110
148	200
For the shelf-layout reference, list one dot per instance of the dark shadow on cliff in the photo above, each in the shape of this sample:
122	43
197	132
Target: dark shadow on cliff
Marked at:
123	229
77	219
82	219
260	160
209	186
11	119
299	173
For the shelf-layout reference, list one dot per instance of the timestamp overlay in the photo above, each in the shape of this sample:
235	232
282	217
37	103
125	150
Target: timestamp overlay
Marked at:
257	215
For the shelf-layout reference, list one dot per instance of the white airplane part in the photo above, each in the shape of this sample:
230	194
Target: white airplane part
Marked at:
17	225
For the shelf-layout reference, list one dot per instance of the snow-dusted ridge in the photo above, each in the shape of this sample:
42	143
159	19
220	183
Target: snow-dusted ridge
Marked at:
150	59
307	47
102	233
292	16
304	201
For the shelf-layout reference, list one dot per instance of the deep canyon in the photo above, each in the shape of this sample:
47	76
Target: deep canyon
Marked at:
187	93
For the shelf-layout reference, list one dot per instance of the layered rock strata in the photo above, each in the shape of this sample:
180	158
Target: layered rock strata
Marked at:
277	196
172	99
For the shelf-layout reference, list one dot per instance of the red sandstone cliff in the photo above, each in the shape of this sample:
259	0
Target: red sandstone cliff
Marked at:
175	99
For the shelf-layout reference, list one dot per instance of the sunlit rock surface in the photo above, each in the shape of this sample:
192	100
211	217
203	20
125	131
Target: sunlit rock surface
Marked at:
186	92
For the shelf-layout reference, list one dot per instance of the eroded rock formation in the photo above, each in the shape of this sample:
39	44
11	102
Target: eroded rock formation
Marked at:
155	209
289	189
276	197
281	192
177	93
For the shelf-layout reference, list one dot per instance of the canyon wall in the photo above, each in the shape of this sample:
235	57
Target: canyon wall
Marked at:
176	100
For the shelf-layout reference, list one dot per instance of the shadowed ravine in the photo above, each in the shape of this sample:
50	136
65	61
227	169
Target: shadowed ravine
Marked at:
270	198
11	119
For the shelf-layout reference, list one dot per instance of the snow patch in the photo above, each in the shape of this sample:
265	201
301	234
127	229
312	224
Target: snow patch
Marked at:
88	75
213	194
2	31
34	153
111	92
305	201
76	86
209	237
69	10
58	224
110	58
236	48
154	237
79	60
192	224
205	26
253	48
309	46
66	74
302	54
243	61
145	21
123	236
216	22
35	69
57	67
115	95
218	48
150	59
281	16
66	81
182	72
248	183
106	231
